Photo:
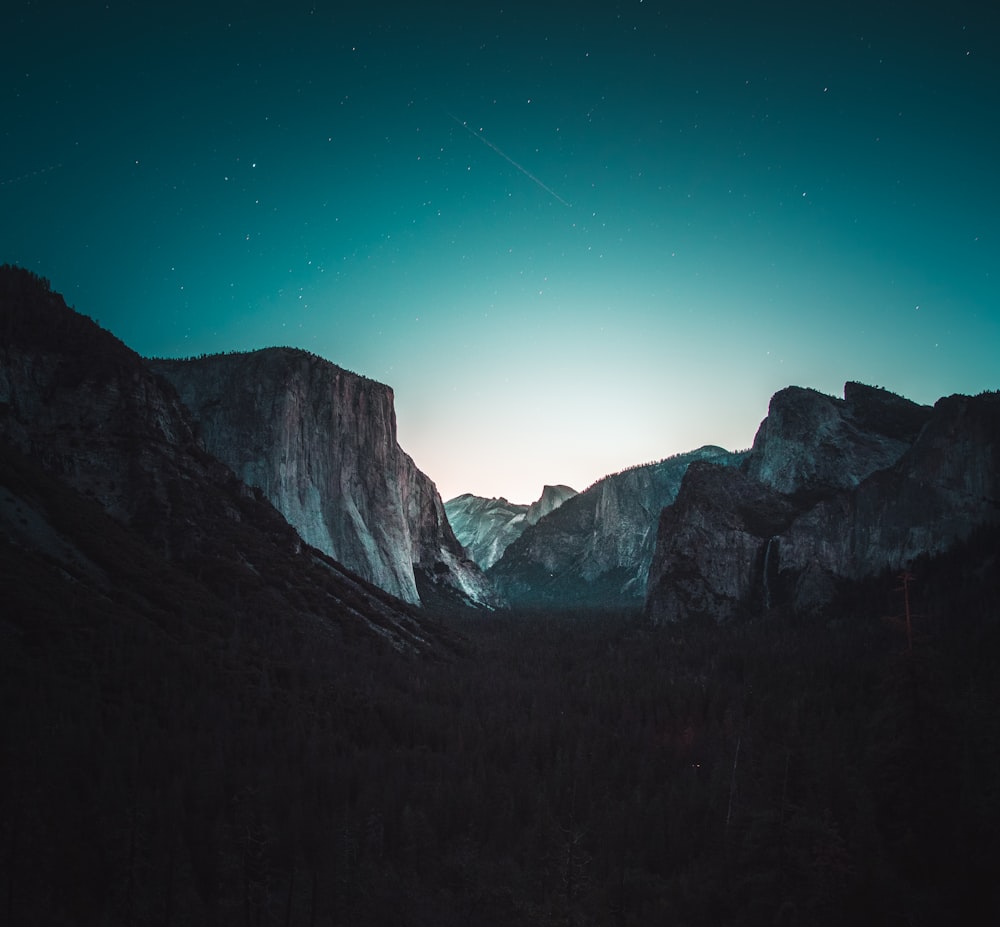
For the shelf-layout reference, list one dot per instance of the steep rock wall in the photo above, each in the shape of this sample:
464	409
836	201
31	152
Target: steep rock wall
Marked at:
84	412
870	484
813	442
550	499
320	442
597	547
712	554
947	483
487	527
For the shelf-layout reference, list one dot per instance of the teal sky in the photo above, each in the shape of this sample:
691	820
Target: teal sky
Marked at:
572	237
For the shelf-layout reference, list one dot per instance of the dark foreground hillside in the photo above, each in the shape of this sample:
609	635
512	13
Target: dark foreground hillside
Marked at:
162	763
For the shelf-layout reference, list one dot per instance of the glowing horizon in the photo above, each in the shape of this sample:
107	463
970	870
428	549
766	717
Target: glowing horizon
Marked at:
764	204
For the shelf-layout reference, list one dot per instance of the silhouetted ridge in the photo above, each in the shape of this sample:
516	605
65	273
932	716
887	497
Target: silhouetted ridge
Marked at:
74	399
833	491
35	317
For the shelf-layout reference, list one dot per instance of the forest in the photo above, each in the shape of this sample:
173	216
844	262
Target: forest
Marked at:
174	756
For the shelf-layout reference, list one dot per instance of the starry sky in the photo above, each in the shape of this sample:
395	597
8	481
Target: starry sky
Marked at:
572	237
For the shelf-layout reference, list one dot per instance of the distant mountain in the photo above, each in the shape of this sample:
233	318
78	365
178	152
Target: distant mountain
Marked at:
109	496
550	499
833	491
596	548
487	527
320	442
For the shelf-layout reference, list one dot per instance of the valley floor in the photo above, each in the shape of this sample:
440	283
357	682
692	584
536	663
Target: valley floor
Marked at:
573	768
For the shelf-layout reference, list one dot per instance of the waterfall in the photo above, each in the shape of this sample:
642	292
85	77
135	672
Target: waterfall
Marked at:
771	544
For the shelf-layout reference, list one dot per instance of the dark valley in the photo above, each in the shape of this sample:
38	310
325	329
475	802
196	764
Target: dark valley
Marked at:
250	675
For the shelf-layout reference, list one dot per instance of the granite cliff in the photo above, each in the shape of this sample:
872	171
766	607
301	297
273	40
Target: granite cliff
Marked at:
596	548
320	443
487	527
108	490
833	490
550	499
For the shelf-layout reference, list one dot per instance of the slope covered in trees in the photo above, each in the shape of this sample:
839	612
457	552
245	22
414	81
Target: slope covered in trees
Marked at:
545	769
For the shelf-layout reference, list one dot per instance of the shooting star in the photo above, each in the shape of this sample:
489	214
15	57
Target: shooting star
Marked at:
23	177
510	160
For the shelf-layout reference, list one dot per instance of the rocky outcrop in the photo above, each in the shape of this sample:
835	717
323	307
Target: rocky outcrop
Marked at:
112	439
815	443
320	442
943	486
833	491
597	547
487	527
550	499
712	544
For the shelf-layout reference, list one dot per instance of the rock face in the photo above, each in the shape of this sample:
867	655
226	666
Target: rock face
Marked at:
487	527
597	547
712	544
107	437
815	443
551	498
832	490
320	442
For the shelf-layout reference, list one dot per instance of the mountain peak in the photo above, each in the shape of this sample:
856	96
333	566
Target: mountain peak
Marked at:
815	440
320	442
90	436
597	546
551	498
487	527
833	491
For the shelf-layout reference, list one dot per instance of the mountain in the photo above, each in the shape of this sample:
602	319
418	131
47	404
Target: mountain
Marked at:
208	721
320	443
109	491
833	490
550	499
814	443
596	548
487	527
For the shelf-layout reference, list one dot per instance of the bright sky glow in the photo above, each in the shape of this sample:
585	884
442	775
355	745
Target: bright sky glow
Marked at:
762	195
